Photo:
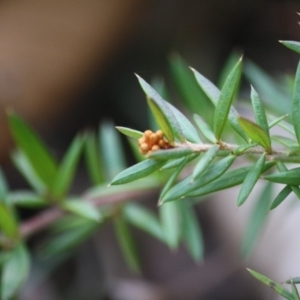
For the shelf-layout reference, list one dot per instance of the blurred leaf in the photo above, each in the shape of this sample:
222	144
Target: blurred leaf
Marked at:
256	133
191	231
205	161
82	208
67	167
138	171
272	284
176	162
213	94
127	244
295	46
251	180
296	280
226	97
162	113
130	132
259	111
8	223
143	219
242	148
3	188
270	90
205	129
92	158
281	196
14	272
187	186
134	146
291	177
283	124
22	164
257	220
187	86
296	104
295	291
172	178
188	130
35	150
24	198
67	241
171	223
275	121
174	153
285	141
227	180
111	149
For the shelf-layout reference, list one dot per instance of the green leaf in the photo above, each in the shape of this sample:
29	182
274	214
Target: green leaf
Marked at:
213	93
23	165
285	141
127	244
296	280
138	171
162	113
227	180
281	196
112	153
256	133
171	223
82	208
251	180
191	231
130	132
92	159
27	199
173	178
3	188
275	121
295	46
187	186
187	128
205	161
35	150
257	220
283	124
134	146
144	219
291	177
259	111
205	129
242	148
169	154
67	167
14	272
296	104
176	162
272	284
226	97
295	291
8	223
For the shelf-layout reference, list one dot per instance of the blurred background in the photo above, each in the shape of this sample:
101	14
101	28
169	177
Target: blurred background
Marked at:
68	65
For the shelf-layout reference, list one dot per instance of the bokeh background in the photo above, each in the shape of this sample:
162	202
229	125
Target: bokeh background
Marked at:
68	65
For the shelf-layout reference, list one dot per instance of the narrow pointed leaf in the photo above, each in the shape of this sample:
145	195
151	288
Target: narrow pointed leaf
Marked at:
144	219
171	153
295	46
227	180
173	177
256	133
205	129
213	93
130	132
82	209
296	104
251	180
283	124
8	223
67	167
285	141
27	199
127	244
205	161
35	150
257	220
291	177
226	97
242	148
14	272
281	196
171	223
134	146
259	111
276	121
272	284
295	291
191	231
138	171
296	280
3	188
162	113
176	162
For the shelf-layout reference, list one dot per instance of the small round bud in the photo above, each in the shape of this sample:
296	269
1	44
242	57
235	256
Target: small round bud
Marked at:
155	148
147	134
153	138
144	147
160	134
162	143
141	140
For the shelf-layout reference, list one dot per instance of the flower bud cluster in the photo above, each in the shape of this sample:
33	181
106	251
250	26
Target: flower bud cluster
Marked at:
151	141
